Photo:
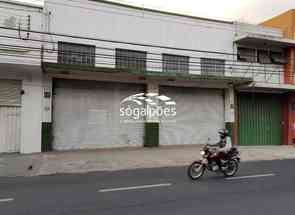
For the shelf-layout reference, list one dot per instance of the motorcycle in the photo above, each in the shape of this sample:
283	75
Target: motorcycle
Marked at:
229	164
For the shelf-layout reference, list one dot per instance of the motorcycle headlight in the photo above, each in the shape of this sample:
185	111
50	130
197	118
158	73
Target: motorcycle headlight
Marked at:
202	152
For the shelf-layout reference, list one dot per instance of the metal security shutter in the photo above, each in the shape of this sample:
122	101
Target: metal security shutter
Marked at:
10	92
10	114
86	115
260	119
199	115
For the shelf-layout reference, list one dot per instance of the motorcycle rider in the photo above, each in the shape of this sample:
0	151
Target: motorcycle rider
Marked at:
223	147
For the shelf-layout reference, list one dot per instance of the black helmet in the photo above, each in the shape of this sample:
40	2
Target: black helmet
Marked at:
223	133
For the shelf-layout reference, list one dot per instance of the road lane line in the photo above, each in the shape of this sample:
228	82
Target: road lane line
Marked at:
134	187
251	176
7	200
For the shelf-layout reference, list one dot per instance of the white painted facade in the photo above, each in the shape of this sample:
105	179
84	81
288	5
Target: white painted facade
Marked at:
117	23
94	19
15	65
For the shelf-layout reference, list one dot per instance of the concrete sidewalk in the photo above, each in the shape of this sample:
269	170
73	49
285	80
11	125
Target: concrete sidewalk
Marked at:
124	158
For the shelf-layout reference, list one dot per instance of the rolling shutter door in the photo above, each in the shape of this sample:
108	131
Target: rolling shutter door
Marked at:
86	114
199	115
260	119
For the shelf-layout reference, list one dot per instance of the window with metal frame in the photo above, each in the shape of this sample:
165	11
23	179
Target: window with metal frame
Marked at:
278	57
131	59
175	63
211	66
10	92
247	54
79	54
263	56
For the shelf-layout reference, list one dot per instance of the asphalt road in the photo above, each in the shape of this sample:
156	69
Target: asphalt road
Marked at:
259	188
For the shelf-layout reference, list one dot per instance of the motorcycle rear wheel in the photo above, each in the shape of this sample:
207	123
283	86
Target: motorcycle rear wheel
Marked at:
232	167
195	170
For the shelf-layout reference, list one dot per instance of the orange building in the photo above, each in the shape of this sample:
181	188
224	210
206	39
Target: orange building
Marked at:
286	22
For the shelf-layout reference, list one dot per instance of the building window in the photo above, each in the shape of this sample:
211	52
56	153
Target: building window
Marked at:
72	53
175	63
130	59
278	57
210	66
246	54
263	57
10	93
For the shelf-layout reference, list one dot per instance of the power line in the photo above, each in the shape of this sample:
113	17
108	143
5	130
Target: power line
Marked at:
157	60
118	42
191	69
250	75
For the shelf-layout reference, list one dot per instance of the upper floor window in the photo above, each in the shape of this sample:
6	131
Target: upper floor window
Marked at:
254	55
175	63
130	59
247	54
10	92
263	57
211	66
72	53
278	57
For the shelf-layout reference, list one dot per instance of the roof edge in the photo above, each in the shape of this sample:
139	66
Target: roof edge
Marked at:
14	2
161	11
276	16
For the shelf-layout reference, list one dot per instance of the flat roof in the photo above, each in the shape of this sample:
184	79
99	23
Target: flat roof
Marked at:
161	11
263	39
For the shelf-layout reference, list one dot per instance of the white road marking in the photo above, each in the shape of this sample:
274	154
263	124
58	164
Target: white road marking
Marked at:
7	200
134	188
251	176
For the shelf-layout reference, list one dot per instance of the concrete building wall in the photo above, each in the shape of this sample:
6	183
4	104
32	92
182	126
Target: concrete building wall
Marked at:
117	23
112	22
98	19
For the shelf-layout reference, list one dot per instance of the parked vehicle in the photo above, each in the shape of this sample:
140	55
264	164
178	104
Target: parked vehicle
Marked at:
228	165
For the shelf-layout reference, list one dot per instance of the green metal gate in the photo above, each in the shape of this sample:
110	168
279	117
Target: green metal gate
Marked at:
260	119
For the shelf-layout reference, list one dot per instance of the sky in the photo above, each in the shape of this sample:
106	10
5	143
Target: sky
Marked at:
251	11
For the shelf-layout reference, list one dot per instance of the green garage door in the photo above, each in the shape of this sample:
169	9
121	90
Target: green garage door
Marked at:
260	119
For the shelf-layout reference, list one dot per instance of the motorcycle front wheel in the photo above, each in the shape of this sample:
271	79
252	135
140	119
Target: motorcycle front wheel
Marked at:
195	170
231	169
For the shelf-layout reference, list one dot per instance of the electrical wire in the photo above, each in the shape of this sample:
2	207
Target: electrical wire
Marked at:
194	68
269	68
265	71
153	67
119	42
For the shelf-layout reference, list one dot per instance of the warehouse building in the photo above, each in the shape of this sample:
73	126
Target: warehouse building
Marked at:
217	74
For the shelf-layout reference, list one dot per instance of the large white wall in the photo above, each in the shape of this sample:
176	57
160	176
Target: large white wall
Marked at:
112	22
107	21
94	19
